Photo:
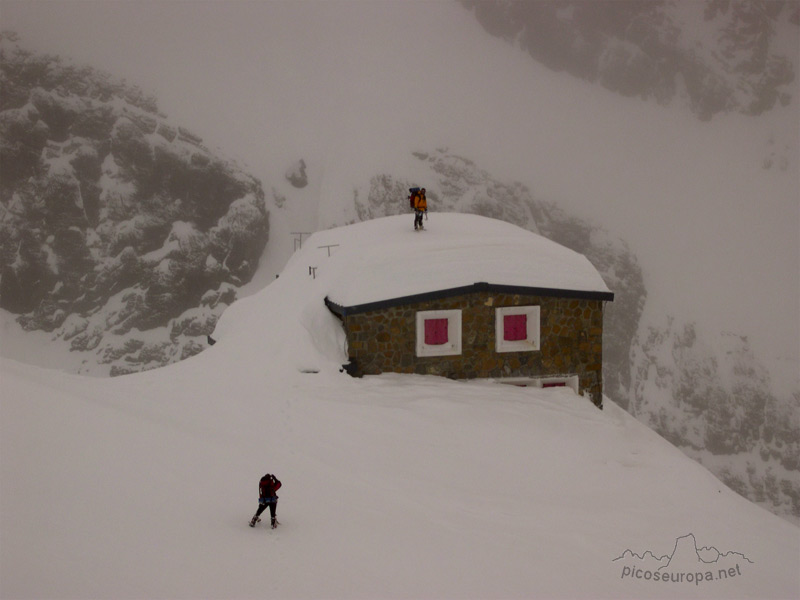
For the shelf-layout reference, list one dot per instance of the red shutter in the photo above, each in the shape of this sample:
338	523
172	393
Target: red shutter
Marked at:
515	327
435	332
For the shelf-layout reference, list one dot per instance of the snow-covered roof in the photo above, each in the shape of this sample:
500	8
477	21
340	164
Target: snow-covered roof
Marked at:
385	259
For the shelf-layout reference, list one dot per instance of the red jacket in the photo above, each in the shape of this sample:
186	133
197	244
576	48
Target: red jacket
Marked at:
268	487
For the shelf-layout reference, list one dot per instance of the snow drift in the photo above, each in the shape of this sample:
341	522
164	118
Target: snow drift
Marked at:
394	486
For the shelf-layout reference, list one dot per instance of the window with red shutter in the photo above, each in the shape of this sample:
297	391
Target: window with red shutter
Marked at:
515	327
438	332
435	332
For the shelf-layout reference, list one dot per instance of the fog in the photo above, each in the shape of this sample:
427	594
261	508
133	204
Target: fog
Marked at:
334	81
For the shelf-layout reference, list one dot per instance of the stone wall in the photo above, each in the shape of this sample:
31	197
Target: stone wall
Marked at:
571	332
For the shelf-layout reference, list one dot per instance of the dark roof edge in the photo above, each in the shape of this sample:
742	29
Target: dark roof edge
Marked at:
480	286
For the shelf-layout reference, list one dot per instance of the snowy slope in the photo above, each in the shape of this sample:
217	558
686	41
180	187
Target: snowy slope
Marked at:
394	486
710	209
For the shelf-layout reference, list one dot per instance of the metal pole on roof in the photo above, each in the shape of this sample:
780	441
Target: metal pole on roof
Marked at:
298	241
329	246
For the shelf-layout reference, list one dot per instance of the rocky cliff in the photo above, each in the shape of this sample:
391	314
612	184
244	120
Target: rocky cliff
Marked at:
714	55
710	395
112	219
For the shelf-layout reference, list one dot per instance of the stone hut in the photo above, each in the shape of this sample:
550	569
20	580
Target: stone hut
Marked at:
468	298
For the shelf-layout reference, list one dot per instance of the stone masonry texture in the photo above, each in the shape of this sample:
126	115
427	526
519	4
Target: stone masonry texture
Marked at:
571	332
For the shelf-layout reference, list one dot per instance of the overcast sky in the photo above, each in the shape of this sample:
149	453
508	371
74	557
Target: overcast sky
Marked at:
250	59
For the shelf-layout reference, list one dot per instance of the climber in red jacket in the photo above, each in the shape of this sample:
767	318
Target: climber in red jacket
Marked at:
267	496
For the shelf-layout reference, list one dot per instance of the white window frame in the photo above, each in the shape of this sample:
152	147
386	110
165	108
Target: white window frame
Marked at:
531	343
453	345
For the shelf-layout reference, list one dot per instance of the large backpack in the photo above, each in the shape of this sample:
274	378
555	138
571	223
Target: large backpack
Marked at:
414	192
268	485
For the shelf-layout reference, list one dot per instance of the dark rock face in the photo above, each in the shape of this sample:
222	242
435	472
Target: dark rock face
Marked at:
709	393
643	48
112	219
296	174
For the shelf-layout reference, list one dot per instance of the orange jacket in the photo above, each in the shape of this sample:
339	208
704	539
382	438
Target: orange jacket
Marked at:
420	202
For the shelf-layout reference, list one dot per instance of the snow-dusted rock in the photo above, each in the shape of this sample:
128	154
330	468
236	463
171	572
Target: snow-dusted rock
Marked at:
714	56
296	174
109	210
